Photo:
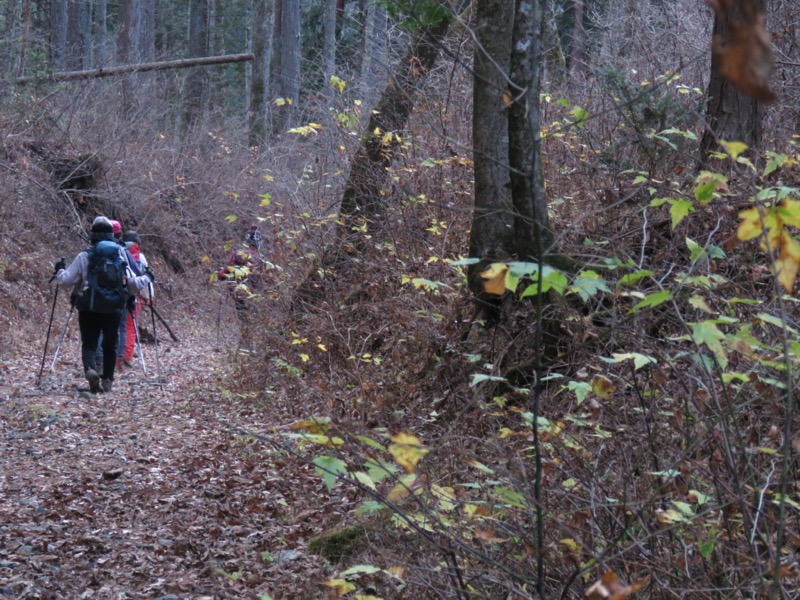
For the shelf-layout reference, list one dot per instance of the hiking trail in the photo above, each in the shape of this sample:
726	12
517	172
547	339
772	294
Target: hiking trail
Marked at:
149	491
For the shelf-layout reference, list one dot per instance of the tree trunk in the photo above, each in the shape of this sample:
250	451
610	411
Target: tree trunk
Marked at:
215	84
328	45
262	52
372	65
198	46
731	115
74	60
577	56
147	31
100	30
126	51
554	61
58	34
26	25
492	233
532	235
289	82
361	199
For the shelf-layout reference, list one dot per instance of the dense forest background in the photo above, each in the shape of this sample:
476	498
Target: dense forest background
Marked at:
533	304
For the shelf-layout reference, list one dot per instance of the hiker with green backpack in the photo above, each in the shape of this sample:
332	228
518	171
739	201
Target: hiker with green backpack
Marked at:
103	281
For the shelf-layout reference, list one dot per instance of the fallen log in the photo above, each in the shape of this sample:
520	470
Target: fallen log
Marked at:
140	68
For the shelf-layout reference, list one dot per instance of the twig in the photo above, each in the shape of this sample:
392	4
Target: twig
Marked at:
760	505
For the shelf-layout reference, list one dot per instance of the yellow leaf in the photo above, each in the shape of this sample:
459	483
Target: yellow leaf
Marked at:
304	357
505	432
446	496
603	387
734	148
494	279
407	451
342	586
790	212
750	227
571	544
402	489
788	261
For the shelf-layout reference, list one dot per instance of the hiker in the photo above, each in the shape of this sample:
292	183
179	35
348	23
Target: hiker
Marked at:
122	333
132	241
103	279
245	274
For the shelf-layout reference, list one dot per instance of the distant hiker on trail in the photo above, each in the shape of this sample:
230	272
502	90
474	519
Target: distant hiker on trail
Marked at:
245	275
103	279
132	241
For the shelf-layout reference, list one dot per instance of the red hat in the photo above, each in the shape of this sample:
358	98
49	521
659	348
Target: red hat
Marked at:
117	227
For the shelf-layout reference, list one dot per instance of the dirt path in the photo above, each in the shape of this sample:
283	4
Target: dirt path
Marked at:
147	492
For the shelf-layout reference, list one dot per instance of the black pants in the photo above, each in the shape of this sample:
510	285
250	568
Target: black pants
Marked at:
91	324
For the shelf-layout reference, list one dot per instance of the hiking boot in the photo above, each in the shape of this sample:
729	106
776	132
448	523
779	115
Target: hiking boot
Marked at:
94	380
120	364
107	384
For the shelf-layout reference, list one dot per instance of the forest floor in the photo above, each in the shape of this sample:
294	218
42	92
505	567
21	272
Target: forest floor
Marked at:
149	491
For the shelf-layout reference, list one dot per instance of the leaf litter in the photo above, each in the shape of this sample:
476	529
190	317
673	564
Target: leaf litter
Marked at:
148	491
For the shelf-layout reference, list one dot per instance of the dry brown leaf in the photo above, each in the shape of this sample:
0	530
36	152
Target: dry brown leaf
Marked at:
745	57
609	587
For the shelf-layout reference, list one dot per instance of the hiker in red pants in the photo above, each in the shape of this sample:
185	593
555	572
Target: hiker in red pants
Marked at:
132	241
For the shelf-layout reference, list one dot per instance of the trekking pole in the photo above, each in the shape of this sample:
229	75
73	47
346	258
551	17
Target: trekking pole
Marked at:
155	336
165	324
138	342
47	338
219	316
61	339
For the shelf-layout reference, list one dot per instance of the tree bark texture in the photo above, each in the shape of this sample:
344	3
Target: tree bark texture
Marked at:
8	37
328	45
58	34
731	115
577	55
362	196
554	62
290	63
492	233
374	58
100	34
26	25
78	34
262	52
198	46
532	234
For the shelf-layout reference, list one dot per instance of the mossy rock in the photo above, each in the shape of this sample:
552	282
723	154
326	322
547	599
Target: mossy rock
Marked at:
336	544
